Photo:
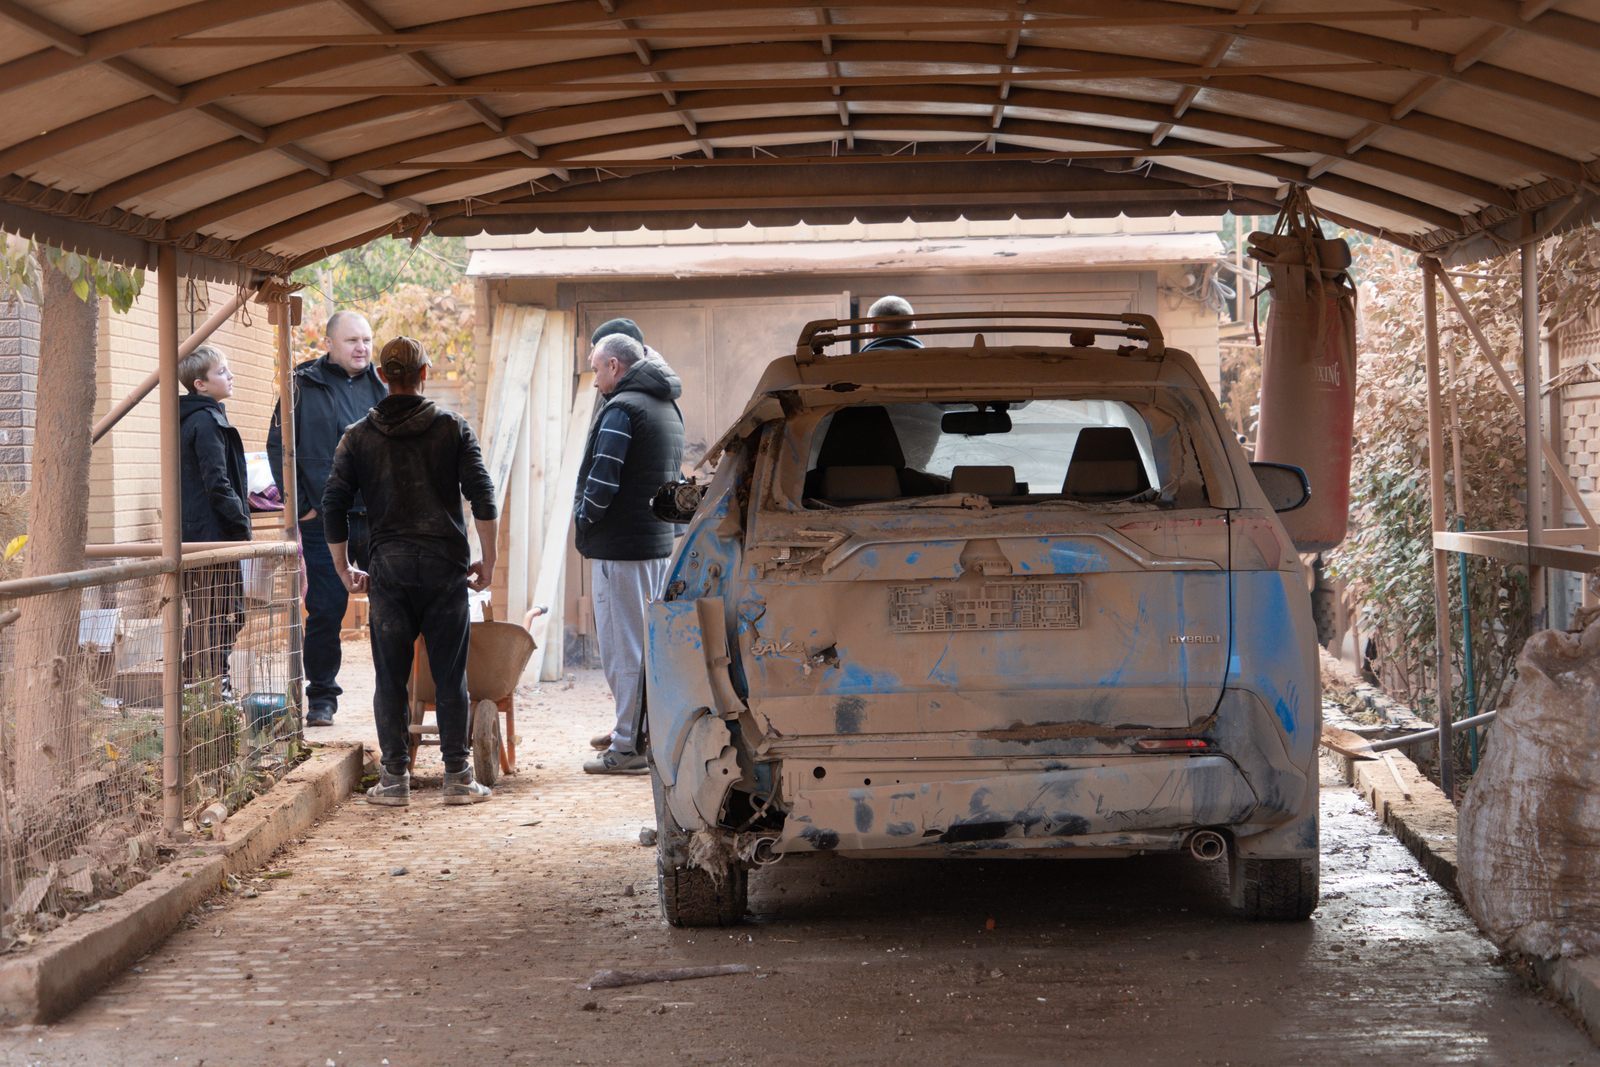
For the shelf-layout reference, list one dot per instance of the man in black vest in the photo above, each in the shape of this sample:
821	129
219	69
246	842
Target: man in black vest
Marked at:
635	444
329	394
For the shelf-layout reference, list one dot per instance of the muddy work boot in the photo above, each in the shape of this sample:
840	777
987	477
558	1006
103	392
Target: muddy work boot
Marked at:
393	790
459	788
613	762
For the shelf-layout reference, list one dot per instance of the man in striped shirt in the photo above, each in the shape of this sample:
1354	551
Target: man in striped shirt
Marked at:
635	444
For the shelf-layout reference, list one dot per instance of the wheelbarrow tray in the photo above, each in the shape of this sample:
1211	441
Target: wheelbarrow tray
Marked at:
497	654
496	657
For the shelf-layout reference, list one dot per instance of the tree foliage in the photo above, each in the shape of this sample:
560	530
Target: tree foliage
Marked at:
418	292
21	263
1388	556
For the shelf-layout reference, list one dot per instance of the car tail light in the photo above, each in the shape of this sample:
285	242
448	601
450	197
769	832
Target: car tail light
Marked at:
1171	744
1186	539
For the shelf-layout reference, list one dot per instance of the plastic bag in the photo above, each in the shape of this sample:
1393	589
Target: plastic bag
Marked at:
1528	847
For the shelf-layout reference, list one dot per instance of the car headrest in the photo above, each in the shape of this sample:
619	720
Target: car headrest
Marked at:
878	482
859	437
984	481
1105	463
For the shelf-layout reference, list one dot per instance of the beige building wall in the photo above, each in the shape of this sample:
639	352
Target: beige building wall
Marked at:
125	471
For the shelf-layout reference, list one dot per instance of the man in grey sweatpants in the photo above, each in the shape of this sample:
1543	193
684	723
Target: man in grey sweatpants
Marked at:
635	444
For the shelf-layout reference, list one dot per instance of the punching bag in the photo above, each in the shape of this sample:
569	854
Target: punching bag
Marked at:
1308	369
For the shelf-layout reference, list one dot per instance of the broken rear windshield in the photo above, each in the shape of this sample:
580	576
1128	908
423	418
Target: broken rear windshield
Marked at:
1075	452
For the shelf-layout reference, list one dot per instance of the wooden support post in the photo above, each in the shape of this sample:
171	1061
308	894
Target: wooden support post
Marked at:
171	542
286	316
1441	559
1533	428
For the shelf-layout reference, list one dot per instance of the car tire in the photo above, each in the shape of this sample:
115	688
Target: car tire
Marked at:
1277	890
690	896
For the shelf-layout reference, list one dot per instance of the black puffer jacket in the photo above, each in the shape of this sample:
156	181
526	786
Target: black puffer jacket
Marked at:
326	400
627	529
215	486
413	462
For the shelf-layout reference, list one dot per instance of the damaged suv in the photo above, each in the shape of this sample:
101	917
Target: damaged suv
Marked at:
1019	599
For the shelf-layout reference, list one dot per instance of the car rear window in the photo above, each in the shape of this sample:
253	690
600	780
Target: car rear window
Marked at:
1087	452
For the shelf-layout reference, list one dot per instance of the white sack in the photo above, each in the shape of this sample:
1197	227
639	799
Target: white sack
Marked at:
1529	844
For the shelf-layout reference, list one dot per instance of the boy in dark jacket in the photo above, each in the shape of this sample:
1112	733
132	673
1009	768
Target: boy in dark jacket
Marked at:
216	507
412	463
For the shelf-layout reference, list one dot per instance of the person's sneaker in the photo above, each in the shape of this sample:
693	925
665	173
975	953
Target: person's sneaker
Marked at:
613	762
600	741
393	790
459	788
321	714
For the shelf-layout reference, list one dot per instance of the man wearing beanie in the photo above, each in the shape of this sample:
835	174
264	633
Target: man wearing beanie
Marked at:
412	463
635	444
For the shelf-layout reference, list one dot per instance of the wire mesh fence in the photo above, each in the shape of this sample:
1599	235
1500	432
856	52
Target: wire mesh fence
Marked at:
82	729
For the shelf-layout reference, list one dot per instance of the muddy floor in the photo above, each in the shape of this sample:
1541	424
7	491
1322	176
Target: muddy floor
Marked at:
447	935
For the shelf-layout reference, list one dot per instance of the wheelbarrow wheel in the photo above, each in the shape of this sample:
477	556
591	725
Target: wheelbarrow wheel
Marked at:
486	742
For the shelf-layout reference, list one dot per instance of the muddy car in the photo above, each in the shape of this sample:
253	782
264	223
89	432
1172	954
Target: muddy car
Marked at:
1009	599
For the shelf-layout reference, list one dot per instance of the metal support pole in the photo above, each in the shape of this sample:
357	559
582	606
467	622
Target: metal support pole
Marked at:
171	542
285	316
1441	560
1533	429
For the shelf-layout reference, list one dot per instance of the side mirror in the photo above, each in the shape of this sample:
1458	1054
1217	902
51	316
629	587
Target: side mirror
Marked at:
1286	486
676	502
985	420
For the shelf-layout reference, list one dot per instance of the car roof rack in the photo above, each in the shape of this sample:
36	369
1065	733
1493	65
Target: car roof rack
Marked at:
818	335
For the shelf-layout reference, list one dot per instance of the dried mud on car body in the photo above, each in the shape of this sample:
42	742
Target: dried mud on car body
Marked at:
1107	962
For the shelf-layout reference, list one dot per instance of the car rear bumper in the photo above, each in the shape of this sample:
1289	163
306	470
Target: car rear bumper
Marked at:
1126	804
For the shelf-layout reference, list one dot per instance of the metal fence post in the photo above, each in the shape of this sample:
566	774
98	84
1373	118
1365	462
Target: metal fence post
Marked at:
171	542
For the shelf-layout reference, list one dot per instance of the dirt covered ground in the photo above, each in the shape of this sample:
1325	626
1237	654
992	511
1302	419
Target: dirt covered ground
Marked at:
464	935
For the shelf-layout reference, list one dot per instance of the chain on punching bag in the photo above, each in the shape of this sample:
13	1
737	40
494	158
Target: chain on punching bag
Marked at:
1308	368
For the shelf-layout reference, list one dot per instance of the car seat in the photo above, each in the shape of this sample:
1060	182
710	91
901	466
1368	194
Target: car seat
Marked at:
860	459
1106	465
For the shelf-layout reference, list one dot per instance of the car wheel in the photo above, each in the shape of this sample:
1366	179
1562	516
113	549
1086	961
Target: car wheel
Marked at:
690	896
1274	890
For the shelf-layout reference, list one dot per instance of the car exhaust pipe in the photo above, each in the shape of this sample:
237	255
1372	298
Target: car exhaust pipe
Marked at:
763	854
1208	845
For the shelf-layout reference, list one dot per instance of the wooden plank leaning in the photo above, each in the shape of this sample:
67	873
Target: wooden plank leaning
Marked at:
560	516
503	418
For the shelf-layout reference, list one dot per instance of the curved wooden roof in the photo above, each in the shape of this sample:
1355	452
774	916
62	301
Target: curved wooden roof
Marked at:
268	141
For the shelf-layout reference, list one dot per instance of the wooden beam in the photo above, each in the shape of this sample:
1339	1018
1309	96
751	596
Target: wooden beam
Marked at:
1511	546
136	74
1175	72
1523	154
629	31
138	33
36	24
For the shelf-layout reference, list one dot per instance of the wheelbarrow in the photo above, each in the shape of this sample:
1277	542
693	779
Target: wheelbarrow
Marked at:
496	656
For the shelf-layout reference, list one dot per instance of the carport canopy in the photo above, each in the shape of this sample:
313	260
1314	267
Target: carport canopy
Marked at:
256	138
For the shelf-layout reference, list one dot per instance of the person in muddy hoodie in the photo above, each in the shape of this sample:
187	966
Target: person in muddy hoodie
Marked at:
413	462
634	446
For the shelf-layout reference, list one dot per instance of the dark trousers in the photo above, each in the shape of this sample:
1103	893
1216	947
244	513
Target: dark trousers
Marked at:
326	600
215	597
418	593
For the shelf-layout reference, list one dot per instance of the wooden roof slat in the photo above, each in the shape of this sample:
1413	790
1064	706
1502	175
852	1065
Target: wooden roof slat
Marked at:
1368	110
1444	128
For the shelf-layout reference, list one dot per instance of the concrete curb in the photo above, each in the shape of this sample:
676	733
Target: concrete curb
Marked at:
70	964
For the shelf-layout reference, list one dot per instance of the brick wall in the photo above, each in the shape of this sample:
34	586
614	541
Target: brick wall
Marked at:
19	377
124	476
